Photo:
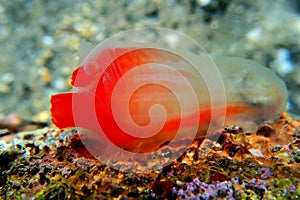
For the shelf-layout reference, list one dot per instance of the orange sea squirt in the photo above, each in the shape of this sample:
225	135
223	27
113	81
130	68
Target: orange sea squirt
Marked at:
254	95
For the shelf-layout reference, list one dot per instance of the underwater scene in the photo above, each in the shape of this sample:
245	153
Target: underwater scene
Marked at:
131	99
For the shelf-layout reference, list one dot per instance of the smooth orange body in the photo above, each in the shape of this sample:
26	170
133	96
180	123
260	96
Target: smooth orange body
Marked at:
98	90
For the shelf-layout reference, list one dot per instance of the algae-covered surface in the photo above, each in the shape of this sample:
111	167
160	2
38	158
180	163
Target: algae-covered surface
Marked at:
40	47
53	164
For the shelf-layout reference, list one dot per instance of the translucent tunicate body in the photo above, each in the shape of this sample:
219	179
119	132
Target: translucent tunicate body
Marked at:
138	97
254	85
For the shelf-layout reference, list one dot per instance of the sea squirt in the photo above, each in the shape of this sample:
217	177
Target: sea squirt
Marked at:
146	84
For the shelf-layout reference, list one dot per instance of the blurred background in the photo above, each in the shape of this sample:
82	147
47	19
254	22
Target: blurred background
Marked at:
40	40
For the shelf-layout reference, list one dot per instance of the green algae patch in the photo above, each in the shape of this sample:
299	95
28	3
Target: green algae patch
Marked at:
54	192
